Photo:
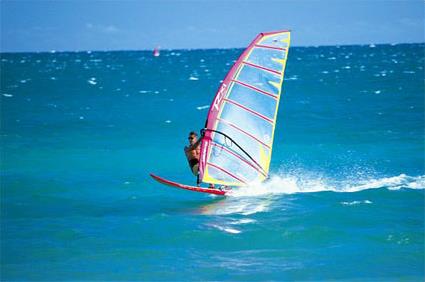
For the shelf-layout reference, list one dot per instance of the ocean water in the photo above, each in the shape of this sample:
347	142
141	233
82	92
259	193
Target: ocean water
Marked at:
81	131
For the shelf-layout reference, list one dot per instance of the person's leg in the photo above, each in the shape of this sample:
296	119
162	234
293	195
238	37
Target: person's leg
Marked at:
195	169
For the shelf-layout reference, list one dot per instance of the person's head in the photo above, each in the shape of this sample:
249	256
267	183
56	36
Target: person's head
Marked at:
193	137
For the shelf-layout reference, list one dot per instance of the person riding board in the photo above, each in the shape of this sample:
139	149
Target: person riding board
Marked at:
193	152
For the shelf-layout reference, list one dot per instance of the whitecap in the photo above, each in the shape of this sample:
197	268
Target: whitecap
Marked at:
193	78
304	182
356	203
7	95
243	221
168	121
294	77
202	107
377	92
226	229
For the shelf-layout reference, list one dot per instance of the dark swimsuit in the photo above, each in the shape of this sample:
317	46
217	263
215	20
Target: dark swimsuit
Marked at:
193	162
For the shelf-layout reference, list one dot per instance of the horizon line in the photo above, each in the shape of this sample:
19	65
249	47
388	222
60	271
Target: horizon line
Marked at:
195	49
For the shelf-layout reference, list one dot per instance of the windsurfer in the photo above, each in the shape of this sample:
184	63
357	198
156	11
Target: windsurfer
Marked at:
193	151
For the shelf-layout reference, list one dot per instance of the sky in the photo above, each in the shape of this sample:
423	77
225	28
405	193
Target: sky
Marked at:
76	25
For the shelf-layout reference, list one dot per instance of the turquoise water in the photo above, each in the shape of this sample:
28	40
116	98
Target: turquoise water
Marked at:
81	131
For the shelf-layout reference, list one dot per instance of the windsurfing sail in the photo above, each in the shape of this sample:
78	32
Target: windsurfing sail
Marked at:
239	131
156	52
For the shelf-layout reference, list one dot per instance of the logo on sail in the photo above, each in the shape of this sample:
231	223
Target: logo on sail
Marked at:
220	96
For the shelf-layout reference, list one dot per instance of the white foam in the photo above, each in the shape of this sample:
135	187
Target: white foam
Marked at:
7	95
356	203
193	78
202	107
243	221
294	77
305	183
92	81
226	229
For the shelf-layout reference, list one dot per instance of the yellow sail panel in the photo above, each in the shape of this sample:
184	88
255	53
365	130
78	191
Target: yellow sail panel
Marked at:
238	142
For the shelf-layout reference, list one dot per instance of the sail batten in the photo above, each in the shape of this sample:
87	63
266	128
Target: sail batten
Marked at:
257	168
261	67
245	111
243	131
271	47
226	172
255	88
248	110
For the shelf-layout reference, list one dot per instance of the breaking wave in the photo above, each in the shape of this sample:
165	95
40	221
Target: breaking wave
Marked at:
290	184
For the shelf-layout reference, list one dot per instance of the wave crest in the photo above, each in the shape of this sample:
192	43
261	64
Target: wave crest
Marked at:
290	184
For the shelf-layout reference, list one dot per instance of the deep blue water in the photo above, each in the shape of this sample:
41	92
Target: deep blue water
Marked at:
80	133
